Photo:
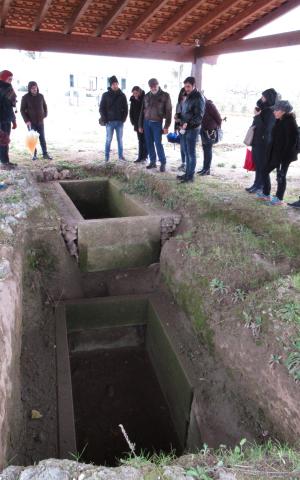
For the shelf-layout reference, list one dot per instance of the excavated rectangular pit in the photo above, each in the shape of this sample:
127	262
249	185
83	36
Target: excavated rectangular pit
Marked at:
116	365
101	198
114	229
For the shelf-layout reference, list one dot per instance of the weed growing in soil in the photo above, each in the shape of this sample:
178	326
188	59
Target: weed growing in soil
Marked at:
39	259
218	286
290	312
201	473
293	361
78	455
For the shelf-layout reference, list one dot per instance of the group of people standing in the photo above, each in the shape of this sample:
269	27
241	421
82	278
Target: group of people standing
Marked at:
33	110
274	145
151	116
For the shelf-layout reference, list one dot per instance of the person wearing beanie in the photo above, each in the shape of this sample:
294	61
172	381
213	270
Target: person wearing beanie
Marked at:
114	110
136	103
263	122
156	107
281	152
7	117
34	110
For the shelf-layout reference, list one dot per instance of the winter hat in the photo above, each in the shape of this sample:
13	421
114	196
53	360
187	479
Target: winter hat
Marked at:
270	95
5	74
283	106
112	80
152	82
31	84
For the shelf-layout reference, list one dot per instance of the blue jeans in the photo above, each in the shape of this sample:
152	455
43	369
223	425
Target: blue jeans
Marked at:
5	127
153	134
117	126
189	140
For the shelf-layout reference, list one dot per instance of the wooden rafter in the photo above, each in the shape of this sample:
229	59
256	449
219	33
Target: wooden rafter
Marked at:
111	17
237	20
58	42
250	44
269	17
4	12
209	18
77	15
149	13
180	15
44	7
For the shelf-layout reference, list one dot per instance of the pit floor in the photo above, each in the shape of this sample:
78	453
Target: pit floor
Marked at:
119	386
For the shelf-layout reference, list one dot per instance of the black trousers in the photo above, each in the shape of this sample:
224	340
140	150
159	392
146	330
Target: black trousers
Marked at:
259	153
142	153
40	129
281	180
4	149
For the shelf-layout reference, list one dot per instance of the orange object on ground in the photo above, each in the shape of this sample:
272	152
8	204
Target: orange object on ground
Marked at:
31	140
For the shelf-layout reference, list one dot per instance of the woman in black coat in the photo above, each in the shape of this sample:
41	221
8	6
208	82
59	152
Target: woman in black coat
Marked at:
282	151
210	123
136	103
263	122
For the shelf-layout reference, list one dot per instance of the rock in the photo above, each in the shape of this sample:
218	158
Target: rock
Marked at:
5	269
64	174
6	229
44	473
21	215
11	473
223	475
10	220
36	415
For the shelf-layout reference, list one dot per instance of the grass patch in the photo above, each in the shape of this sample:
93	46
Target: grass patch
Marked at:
40	259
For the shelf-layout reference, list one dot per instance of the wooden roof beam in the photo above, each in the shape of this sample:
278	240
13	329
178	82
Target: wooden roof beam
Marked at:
149	13
119	7
4	12
44	7
84	44
237	20
250	44
206	20
178	17
266	19
77	15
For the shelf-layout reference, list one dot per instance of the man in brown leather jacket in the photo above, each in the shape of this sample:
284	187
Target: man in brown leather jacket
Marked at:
156	107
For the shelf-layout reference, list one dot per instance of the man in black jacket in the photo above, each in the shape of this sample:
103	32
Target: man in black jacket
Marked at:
114	110
191	115
34	110
7	116
136	103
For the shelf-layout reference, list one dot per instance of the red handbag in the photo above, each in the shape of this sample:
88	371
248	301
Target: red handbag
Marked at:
249	164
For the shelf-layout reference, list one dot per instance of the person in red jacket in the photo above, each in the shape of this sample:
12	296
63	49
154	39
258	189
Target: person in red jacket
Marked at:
7	117
211	122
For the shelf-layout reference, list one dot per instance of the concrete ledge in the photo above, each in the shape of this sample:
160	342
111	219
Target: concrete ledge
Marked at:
119	243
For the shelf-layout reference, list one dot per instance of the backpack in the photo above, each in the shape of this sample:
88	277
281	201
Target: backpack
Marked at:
298	141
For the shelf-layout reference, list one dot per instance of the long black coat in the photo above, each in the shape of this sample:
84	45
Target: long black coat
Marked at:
263	123
282	149
135	109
